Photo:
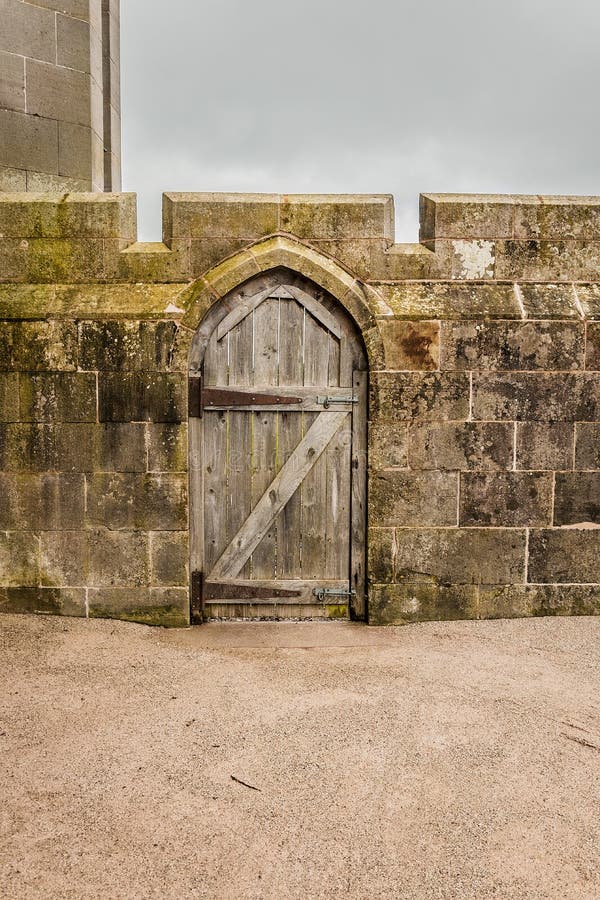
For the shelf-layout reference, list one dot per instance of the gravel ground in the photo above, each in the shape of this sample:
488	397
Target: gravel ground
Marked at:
455	760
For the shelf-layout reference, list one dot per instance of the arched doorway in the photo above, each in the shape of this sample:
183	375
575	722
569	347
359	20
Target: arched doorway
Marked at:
278	418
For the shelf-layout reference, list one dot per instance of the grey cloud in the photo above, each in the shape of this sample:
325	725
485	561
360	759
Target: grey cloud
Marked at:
375	96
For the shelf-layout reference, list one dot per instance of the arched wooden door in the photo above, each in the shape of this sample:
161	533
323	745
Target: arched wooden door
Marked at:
278	436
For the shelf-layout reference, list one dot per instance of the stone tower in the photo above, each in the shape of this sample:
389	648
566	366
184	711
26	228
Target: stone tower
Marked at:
59	95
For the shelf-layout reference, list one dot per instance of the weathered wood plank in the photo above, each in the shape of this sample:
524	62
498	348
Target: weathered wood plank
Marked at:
337	532
215	486
302	460
317	310
243	309
358	524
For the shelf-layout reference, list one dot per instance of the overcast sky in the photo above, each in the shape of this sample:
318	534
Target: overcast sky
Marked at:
373	96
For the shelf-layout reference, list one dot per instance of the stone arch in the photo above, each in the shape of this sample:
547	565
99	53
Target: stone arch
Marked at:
285	252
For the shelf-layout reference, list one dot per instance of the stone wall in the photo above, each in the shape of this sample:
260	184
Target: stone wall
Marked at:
59	95
484	347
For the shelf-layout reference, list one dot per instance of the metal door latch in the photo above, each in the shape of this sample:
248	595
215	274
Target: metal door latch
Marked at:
327	401
323	593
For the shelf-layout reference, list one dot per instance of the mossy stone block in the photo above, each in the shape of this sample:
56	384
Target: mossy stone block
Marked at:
400	604
414	396
152	502
413	498
464	447
64	397
501	499
564	555
134	397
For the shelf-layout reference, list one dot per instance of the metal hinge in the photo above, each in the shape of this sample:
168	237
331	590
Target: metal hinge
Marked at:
323	593
327	401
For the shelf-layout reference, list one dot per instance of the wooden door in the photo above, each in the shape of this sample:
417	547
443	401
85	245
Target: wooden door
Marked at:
281	419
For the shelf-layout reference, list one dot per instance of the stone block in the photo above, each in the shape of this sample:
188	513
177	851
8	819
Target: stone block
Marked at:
78	8
589	297
592	355
44	346
58	93
205	254
463	216
167	448
74	150
19	559
335	217
27	30
381	546
557	218
549	301
73	43
66	397
537	397
411	396
132	397
577	499
587	446
28	142
108	447
64	558
502	602
168	608
400	604
118	558
131	501
53	261
544	446
512	345
449	300
387	446
468	446
502	499
28	448
38	601
39	182
78	216
411	345
9	397
559	555
413	498
169	554
214	215
13	180
12	81
128	346
552	261
31	502
460	555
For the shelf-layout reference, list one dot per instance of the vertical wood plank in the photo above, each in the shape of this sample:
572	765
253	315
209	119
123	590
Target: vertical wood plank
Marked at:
359	496
291	373
215	365
337	521
215	486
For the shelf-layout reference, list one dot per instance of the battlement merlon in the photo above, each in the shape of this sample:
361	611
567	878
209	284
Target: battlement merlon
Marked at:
75	238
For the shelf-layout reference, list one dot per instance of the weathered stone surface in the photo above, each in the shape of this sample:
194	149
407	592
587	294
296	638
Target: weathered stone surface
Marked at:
39	346
12	81
27	448
43	601
413	498
553	218
537	397
411	345
73	48
587	446
470	445
58	93
506	499
166	607
464	216
564	555
507	602
149	502
577	499
592	355
32	502
249	216
459	556
381	555
544	446
64	397
512	345
589	298
13	180
19	559
400	396
127	346
117	558
77	216
449	300
64	558
169	553
553	260
549	301
133	397
387	446
399	604
28	142
27	30
167	448
9	398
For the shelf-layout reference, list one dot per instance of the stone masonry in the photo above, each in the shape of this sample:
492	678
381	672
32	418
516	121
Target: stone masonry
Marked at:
484	421
59	95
